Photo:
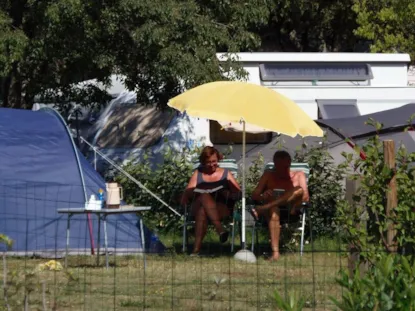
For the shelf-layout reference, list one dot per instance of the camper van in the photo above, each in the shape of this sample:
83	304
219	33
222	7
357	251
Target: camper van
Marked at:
330	85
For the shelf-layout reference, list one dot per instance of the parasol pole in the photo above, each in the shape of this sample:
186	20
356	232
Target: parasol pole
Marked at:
243	185
244	254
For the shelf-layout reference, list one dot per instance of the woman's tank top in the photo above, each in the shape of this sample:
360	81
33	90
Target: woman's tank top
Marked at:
202	184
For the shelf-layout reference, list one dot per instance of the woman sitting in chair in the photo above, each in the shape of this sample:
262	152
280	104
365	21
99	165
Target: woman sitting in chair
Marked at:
215	205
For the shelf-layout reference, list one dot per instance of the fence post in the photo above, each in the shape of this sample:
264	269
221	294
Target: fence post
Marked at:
391	195
352	187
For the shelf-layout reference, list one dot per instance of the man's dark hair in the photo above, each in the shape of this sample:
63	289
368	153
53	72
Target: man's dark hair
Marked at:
280	155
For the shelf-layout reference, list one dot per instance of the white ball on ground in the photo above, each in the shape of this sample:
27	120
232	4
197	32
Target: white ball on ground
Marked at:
245	255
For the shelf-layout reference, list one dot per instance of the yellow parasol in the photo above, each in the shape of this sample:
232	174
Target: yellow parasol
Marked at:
257	108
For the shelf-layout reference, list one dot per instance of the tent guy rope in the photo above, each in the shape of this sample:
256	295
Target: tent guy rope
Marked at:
131	177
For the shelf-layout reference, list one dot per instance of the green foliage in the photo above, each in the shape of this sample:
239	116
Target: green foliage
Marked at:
388	285
6	241
22	286
310	26
168	181
159	46
163	46
369	203
253	174
323	186
172	44
50	45
388	24
294	302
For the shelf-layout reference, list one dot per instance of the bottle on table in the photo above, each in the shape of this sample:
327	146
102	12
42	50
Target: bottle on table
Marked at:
101	197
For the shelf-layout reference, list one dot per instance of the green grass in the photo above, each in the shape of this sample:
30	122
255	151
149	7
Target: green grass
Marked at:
179	282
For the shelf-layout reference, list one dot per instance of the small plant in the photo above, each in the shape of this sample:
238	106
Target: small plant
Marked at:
6	241
388	285
253	174
293	303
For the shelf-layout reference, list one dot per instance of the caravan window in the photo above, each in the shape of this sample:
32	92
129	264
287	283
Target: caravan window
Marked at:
337	108
315	72
218	136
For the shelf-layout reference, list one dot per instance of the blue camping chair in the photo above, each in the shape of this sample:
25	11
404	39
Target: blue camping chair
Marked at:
188	219
257	224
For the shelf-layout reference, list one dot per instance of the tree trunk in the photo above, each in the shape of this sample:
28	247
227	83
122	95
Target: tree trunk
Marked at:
5	90
12	86
15	94
304	42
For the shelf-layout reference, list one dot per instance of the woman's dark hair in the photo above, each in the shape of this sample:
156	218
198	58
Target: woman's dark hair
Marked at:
280	155
207	152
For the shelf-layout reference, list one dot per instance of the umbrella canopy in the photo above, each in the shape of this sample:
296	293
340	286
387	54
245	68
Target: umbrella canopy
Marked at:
260	107
256	107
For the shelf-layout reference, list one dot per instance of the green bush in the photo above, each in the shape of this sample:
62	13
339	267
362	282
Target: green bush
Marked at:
369	203
323	186
388	285
167	181
389	282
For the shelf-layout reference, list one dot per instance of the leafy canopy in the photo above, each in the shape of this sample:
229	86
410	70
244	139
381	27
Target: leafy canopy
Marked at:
160	46
388	24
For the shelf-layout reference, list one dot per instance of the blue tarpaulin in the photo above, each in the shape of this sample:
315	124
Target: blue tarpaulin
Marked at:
41	170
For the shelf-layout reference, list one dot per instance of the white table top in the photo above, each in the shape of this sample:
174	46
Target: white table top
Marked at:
121	210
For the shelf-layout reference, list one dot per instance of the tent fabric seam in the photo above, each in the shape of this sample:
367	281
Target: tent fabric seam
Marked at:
62	121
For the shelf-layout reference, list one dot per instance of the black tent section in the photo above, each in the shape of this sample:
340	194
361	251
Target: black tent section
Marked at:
393	120
394	124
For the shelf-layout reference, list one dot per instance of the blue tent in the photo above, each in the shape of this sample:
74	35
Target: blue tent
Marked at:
41	170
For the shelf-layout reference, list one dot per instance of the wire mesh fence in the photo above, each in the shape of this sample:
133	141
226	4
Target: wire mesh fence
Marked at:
89	266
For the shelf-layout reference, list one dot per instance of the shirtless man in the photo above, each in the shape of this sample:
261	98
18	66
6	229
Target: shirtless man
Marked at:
296	192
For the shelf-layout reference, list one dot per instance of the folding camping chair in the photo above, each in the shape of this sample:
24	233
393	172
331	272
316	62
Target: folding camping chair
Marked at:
256	224
189	221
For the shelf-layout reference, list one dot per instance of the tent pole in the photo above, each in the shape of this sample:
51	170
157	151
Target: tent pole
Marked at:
74	149
243	185
95	159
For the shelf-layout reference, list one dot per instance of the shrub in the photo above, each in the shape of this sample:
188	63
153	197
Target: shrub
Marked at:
323	186
388	285
389	282
167	181
369	203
